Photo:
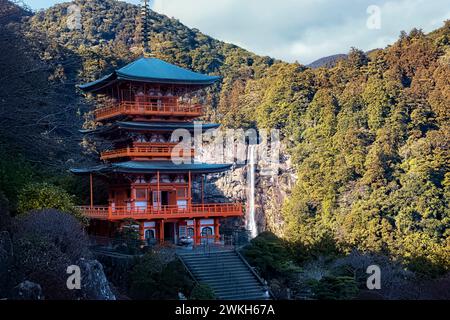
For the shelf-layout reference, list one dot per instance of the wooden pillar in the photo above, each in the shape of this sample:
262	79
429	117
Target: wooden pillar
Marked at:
158	195
195	232
199	233
92	190
189	191
175	233
216	229
203	189
141	231
161	232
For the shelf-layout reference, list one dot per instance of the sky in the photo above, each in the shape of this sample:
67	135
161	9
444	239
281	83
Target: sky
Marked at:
301	30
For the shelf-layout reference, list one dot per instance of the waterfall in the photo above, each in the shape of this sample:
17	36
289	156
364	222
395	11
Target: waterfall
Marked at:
250	219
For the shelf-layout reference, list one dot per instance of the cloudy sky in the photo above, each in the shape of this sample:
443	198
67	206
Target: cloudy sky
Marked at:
301	30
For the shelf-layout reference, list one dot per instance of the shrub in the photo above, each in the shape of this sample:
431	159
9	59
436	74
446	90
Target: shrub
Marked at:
335	288
38	196
202	292
157	278
270	255
45	243
394	279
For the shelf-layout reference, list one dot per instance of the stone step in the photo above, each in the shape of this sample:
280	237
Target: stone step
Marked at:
243	297
230	267
240	281
226	273
247	286
207	256
212	261
209	260
245	290
227	277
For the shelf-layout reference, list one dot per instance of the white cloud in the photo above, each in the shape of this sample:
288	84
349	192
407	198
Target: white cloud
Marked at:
304	30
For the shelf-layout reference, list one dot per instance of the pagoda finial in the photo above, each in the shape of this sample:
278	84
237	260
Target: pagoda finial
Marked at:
145	27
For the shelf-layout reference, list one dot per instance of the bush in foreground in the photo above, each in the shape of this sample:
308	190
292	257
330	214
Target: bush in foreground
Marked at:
39	196
45	243
202	292
157	278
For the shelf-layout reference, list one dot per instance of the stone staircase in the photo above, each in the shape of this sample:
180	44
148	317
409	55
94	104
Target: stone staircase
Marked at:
227	273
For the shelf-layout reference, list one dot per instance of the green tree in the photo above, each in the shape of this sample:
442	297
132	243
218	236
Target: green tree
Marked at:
270	255
335	288
38	196
202	292
156	277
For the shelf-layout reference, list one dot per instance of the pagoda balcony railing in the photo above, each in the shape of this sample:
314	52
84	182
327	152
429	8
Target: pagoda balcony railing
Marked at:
148	151
141	108
163	212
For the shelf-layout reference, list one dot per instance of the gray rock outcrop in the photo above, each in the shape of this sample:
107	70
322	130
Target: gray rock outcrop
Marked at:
27	290
94	284
273	184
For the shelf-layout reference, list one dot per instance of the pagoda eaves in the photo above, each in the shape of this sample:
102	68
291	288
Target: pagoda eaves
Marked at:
151	70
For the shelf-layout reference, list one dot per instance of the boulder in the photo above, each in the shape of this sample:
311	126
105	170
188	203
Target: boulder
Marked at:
27	290
94	284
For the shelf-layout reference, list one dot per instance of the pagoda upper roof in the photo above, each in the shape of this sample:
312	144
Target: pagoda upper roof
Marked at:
151	70
142	167
150	126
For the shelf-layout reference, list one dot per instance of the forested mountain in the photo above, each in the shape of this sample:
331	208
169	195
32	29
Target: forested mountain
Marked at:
109	37
370	141
369	137
42	60
327	62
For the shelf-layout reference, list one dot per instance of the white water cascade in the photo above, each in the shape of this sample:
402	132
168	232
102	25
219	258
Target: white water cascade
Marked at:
250	218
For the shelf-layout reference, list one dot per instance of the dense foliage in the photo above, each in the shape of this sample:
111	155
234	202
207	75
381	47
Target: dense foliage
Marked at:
270	254
202	292
38	196
335	288
158	277
369	137
110	37
45	243
370	141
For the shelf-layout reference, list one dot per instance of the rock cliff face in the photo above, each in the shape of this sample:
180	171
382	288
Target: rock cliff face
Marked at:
273	183
94	285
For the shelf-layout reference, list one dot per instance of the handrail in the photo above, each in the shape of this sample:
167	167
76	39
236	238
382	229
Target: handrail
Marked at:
147	108
187	269
254	273
142	151
118	212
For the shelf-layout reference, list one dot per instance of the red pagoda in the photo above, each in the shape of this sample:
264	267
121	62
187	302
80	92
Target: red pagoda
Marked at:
141	106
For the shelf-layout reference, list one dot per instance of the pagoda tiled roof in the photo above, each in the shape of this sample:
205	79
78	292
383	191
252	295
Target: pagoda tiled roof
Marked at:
150	126
151	70
142	167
